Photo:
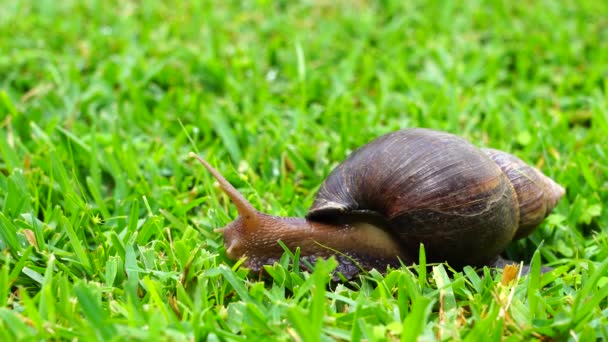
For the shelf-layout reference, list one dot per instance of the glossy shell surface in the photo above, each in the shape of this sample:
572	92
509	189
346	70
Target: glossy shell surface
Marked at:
427	187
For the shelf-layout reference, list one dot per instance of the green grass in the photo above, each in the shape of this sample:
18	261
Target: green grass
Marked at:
106	227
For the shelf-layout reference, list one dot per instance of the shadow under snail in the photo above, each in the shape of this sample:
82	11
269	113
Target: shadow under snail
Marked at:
406	188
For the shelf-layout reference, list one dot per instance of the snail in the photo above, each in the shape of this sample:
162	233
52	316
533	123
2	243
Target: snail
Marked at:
413	186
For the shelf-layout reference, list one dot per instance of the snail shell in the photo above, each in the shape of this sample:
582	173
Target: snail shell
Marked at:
463	203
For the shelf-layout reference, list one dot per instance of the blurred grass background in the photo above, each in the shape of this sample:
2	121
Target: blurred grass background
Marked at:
106	226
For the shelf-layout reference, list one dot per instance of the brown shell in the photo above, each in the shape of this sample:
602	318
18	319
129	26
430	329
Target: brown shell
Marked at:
427	187
537	194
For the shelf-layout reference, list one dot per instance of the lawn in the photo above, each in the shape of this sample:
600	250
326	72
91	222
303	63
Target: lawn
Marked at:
107	226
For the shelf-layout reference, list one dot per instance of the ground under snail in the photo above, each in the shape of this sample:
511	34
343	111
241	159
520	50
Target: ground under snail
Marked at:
413	186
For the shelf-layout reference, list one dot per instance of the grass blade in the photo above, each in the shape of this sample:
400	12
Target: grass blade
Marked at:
95	314
8	234
414	323
76	244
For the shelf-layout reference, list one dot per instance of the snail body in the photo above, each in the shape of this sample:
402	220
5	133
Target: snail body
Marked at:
403	189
